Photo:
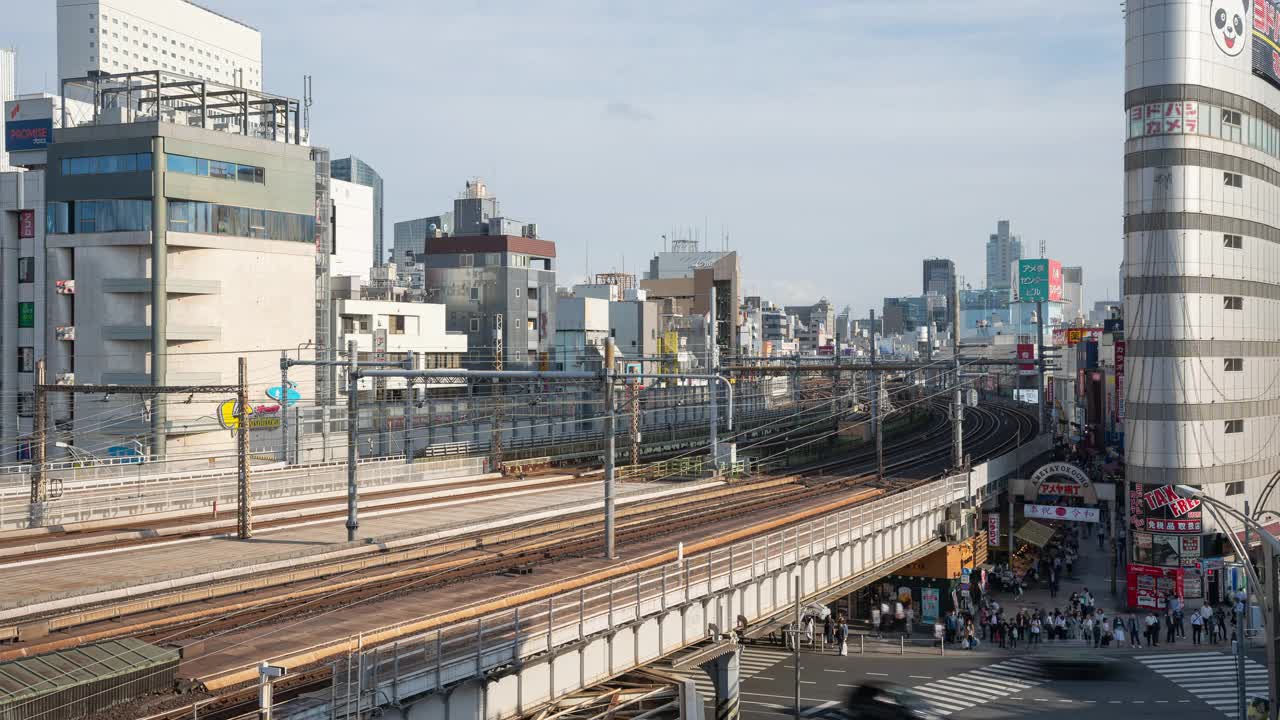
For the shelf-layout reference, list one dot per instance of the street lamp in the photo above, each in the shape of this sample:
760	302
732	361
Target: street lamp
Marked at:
1267	592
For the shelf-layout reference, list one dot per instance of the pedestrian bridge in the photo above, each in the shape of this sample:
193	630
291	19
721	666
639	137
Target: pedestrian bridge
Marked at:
509	655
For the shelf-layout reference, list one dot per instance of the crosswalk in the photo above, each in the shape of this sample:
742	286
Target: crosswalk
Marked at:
1210	676
975	687
755	660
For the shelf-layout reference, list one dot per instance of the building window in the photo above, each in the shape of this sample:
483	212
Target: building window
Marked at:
1234	242
1233	364
1231	117
533	293
1232	302
26	359
1233	426
466	261
475	294
26	269
1235	180
395	324
106	164
1235	488
215	219
26	315
475	324
87	216
26	403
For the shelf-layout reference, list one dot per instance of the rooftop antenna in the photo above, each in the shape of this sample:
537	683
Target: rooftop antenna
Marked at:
306	103
1042	248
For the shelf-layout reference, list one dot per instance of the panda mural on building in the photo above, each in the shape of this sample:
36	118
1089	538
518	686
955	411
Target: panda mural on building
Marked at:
1229	21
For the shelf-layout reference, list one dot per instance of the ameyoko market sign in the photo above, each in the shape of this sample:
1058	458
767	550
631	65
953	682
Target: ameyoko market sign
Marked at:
1063	479
1058	512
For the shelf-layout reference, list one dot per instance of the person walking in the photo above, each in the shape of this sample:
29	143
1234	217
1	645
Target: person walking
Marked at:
1171	625
1035	630
1153	629
828	631
1134	642
842	636
1206	617
1197	627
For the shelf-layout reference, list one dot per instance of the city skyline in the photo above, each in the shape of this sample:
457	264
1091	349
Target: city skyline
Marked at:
708	133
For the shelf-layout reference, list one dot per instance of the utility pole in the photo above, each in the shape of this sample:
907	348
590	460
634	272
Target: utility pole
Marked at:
499	412
353	420
284	406
39	483
795	649
634	387
1041	419
609	470
877	387
408	411
244	507
957	403
713	367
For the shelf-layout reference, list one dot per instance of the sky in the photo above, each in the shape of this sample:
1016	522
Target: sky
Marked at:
835	143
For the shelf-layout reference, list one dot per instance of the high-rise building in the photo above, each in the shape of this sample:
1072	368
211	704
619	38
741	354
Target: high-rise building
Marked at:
939	277
119	36
1003	250
8	70
354	170
1201	275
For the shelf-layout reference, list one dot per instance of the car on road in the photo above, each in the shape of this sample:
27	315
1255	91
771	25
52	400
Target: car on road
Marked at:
886	701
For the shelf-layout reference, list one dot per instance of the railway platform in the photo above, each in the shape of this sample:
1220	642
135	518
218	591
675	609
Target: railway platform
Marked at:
46	585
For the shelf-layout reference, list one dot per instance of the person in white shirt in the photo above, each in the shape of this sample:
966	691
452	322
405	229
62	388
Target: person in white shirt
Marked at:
1153	629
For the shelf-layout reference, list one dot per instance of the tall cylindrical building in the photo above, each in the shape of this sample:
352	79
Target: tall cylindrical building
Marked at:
1202	246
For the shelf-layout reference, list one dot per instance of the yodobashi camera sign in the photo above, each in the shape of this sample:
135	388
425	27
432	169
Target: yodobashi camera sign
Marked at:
28	124
1039	279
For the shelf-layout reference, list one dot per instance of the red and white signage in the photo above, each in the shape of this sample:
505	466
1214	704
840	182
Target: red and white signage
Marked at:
27	223
1058	512
993	530
1175	526
1165	495
1026	351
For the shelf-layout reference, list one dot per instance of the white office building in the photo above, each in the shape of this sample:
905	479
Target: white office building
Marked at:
117	36
352	229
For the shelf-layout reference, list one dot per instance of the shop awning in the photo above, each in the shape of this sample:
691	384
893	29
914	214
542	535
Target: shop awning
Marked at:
1034	533
1273	528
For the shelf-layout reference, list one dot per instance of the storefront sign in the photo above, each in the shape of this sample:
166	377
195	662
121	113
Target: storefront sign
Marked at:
1189	546
1165	496
263	417
993	530
1063	479
1058	512
1175	526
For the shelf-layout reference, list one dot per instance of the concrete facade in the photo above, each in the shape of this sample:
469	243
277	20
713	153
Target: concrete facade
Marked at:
117	36
481	277
229	260
354	170
417	328
1201	260
8	70
352	228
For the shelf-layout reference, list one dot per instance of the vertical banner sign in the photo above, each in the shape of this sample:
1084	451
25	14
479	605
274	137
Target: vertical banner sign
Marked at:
1026	351
993	530
1055	281
1120	350
27	224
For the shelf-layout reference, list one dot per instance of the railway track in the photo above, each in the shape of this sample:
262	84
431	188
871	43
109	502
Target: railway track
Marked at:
498	552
